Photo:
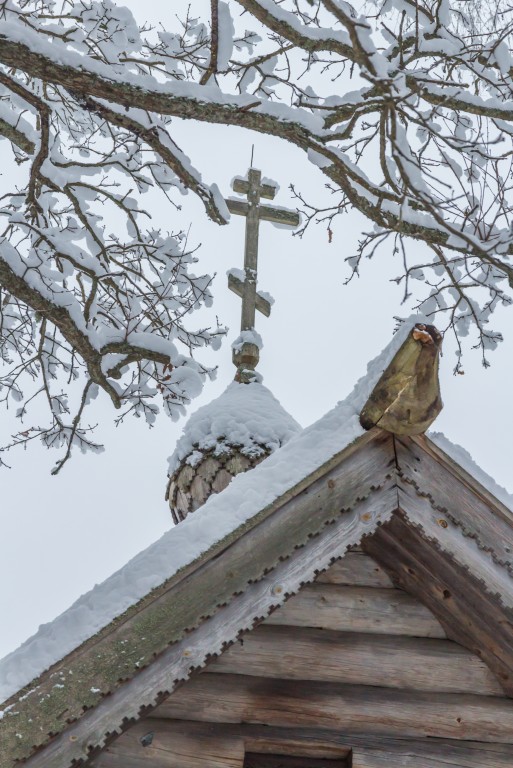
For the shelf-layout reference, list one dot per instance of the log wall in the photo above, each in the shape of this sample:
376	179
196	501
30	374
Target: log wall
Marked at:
351	671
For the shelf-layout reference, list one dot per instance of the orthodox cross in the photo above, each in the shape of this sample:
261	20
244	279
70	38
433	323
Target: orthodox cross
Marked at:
245	355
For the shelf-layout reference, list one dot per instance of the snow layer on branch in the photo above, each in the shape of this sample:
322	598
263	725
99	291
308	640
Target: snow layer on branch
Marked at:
321	161
312	33
14	119
223	513
245	415
226	35
465	460
65	56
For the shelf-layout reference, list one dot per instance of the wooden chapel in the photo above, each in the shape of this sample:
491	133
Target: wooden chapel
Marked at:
362	617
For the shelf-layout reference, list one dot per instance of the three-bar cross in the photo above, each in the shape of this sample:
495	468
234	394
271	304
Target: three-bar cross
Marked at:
247	288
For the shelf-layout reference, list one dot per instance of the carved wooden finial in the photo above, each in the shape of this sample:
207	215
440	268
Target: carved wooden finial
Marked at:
406	399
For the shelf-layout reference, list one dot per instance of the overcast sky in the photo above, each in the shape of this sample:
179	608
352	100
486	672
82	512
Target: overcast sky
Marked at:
60	535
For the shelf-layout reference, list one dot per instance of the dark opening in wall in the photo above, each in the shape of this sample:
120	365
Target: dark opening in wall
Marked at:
254	760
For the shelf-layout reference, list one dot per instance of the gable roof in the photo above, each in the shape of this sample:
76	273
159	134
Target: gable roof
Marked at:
435	529
221	519
377	489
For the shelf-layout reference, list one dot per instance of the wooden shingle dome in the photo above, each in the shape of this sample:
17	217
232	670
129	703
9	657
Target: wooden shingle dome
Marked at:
230	435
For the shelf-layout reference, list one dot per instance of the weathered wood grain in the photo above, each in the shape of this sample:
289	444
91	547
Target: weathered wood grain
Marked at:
357	570
237	698
172	748
469	614
369	750
293	653
358	609
409	757
406	399
452	489
450	537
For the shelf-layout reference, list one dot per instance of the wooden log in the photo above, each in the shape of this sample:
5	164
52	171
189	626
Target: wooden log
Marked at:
410	758
380	660
196	740
358	609
110	759
357	570
469	614
369	750
285	703
146	744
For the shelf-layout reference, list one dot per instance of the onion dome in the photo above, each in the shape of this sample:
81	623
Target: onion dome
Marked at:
232	434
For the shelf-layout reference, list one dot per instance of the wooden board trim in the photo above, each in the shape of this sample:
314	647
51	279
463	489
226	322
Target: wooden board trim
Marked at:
457	471
453	492
449	536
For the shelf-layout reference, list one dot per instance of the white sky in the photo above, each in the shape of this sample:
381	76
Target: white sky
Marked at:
61	535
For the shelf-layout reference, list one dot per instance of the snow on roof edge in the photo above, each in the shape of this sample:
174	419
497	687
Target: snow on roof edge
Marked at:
462	457
221	515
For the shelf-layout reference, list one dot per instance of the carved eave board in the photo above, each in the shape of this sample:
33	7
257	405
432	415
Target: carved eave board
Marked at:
399	652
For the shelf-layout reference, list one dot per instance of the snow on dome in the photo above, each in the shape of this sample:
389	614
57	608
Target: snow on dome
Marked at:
229	435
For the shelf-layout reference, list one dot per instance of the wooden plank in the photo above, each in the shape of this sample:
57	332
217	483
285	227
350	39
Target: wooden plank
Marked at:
113	760
159	747
358	609
469	614
450	537
197	736
410	758
380	660
99	666
452	489
357	570
315	742
369	750
199	647
359	709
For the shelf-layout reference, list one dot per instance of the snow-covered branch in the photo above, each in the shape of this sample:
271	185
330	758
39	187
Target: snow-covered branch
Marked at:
406	107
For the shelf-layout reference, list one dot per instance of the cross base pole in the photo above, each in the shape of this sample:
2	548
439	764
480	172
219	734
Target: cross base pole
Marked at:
246	360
